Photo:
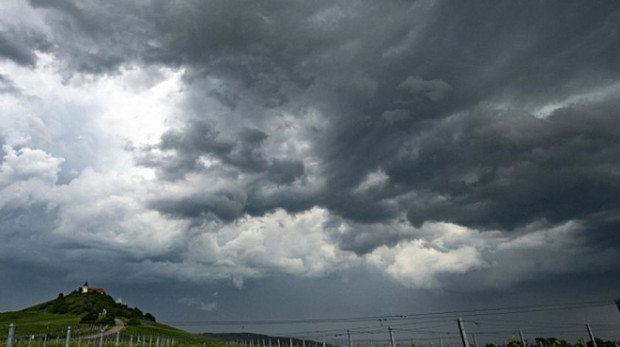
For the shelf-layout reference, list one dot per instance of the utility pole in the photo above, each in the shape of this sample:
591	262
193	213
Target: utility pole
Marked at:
462	331
591	335
391	337
522	339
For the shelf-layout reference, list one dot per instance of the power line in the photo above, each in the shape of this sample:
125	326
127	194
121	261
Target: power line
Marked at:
414	316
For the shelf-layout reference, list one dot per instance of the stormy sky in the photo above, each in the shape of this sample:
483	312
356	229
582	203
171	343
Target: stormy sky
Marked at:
229	160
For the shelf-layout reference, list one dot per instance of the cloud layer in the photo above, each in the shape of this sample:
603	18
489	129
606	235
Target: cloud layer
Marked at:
207	141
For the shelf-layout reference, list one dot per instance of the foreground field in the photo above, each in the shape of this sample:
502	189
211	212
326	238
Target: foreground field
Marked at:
35	328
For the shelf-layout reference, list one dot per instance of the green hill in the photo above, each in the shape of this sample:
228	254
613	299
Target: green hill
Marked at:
88	314
93	308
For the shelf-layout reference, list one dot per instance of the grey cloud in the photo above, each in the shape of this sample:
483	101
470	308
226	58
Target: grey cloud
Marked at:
226	206
509	170
97	37
363	238
475	169
416	97
394	116
16	51
19	45
432	89
7	86
285	171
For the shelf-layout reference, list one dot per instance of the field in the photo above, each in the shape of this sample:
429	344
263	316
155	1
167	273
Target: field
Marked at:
42	329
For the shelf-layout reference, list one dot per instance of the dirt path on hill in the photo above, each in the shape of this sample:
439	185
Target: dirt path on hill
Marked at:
118	326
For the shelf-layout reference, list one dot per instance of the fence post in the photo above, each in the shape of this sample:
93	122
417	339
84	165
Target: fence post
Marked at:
462	330
349	336
391	337
101	338
9	340
591	335
131	341
68	341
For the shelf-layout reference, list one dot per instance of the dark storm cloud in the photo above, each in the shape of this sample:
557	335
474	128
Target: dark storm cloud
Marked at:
97	37
226	206
501	171
7	86
285	171
19	45
438	99
16	51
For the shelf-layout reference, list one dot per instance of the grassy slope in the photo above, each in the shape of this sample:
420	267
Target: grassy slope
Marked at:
34	323
44	319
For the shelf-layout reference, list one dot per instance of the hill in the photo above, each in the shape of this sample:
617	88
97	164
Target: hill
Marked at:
89	314
93	308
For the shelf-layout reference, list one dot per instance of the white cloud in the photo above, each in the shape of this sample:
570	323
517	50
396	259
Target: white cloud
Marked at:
255	247
417	264
374	179
28	164
88	120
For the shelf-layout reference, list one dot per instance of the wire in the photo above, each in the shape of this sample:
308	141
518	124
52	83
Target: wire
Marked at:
414	316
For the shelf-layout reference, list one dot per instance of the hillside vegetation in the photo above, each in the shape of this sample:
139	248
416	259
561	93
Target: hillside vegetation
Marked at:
93	308
88	314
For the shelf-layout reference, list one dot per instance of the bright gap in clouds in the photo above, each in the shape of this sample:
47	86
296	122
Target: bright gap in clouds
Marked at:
100	117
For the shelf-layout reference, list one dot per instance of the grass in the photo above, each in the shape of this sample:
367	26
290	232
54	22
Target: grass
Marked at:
43	329
37	323
45	325
152	328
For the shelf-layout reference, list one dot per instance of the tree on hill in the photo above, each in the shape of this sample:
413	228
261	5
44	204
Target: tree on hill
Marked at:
95	308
